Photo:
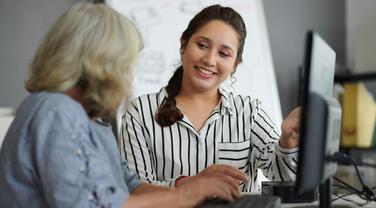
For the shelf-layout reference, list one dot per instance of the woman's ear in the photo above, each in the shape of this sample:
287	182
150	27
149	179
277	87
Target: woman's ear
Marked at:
183	43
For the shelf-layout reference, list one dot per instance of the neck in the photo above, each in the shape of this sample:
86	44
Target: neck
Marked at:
211	97
76	94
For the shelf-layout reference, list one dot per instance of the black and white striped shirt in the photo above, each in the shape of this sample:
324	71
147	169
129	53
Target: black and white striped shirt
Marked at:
238	133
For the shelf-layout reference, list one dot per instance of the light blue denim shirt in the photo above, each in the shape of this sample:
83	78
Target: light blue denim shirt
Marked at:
55	156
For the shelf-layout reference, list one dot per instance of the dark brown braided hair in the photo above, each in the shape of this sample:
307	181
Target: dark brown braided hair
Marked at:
168	113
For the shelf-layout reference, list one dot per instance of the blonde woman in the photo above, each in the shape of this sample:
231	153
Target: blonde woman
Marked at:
59	152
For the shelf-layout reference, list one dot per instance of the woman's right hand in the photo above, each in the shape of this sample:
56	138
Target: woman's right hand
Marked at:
230	174
215	181
187	195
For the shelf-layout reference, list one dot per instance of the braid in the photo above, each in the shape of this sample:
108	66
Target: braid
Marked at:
168	113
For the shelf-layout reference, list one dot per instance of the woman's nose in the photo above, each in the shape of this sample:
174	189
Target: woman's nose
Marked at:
209	58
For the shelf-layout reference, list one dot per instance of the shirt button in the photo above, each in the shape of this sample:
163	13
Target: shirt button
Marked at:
78	152
73	137
82	168
90	197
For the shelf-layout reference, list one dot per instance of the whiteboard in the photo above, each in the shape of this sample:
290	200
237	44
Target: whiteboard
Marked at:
162	22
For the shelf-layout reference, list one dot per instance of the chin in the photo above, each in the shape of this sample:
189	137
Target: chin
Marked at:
204	88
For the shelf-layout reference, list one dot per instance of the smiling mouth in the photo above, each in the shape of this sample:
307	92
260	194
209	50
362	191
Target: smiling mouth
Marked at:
204	71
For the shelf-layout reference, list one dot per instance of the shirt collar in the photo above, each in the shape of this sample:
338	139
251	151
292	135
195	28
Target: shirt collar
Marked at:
161	96
226	105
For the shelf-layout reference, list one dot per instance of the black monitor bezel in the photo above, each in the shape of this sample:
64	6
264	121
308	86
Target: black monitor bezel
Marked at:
311	154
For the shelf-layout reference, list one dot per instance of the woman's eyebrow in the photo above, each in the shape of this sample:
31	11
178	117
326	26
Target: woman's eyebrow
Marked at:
222	45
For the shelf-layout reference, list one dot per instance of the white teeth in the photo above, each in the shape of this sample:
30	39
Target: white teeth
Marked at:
204	71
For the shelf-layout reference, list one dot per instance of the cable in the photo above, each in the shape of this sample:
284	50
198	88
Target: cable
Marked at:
345	159
351	192
362	194
352	201
347	185
366	189
339	187
367	192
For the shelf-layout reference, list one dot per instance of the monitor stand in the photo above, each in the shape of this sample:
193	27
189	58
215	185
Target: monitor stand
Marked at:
325	194
325	200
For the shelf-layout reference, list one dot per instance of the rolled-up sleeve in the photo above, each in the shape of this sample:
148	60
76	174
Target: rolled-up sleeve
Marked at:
276	163
131	179
71	171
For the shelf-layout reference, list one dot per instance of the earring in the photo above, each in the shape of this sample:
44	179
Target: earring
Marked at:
232	79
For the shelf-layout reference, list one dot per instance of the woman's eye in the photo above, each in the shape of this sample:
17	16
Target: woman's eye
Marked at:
224	54
201	45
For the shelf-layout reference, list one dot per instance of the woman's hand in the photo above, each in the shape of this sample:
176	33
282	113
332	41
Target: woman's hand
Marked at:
230	174
186	195
290	129
216	180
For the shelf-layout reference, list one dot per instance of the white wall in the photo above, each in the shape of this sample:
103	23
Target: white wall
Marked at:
361	35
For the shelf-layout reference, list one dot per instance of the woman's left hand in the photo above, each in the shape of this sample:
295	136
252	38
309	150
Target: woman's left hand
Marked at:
290	129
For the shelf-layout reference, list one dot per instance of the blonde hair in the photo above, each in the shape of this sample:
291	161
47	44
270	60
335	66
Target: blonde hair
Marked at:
91	46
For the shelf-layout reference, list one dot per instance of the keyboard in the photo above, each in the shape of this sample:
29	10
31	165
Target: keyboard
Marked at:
245	201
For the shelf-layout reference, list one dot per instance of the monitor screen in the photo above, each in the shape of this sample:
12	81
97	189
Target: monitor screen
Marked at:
321	115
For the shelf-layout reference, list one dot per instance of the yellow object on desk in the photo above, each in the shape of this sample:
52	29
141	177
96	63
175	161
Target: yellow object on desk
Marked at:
358	120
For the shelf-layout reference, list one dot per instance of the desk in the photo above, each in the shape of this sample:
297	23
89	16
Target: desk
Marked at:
336	204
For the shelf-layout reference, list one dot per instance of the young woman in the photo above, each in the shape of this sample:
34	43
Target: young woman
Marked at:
193	127
59	152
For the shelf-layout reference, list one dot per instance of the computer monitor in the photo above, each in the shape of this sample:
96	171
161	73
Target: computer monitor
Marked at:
320	119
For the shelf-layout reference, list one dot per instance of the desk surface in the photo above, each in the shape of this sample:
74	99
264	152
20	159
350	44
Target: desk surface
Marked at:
343	203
